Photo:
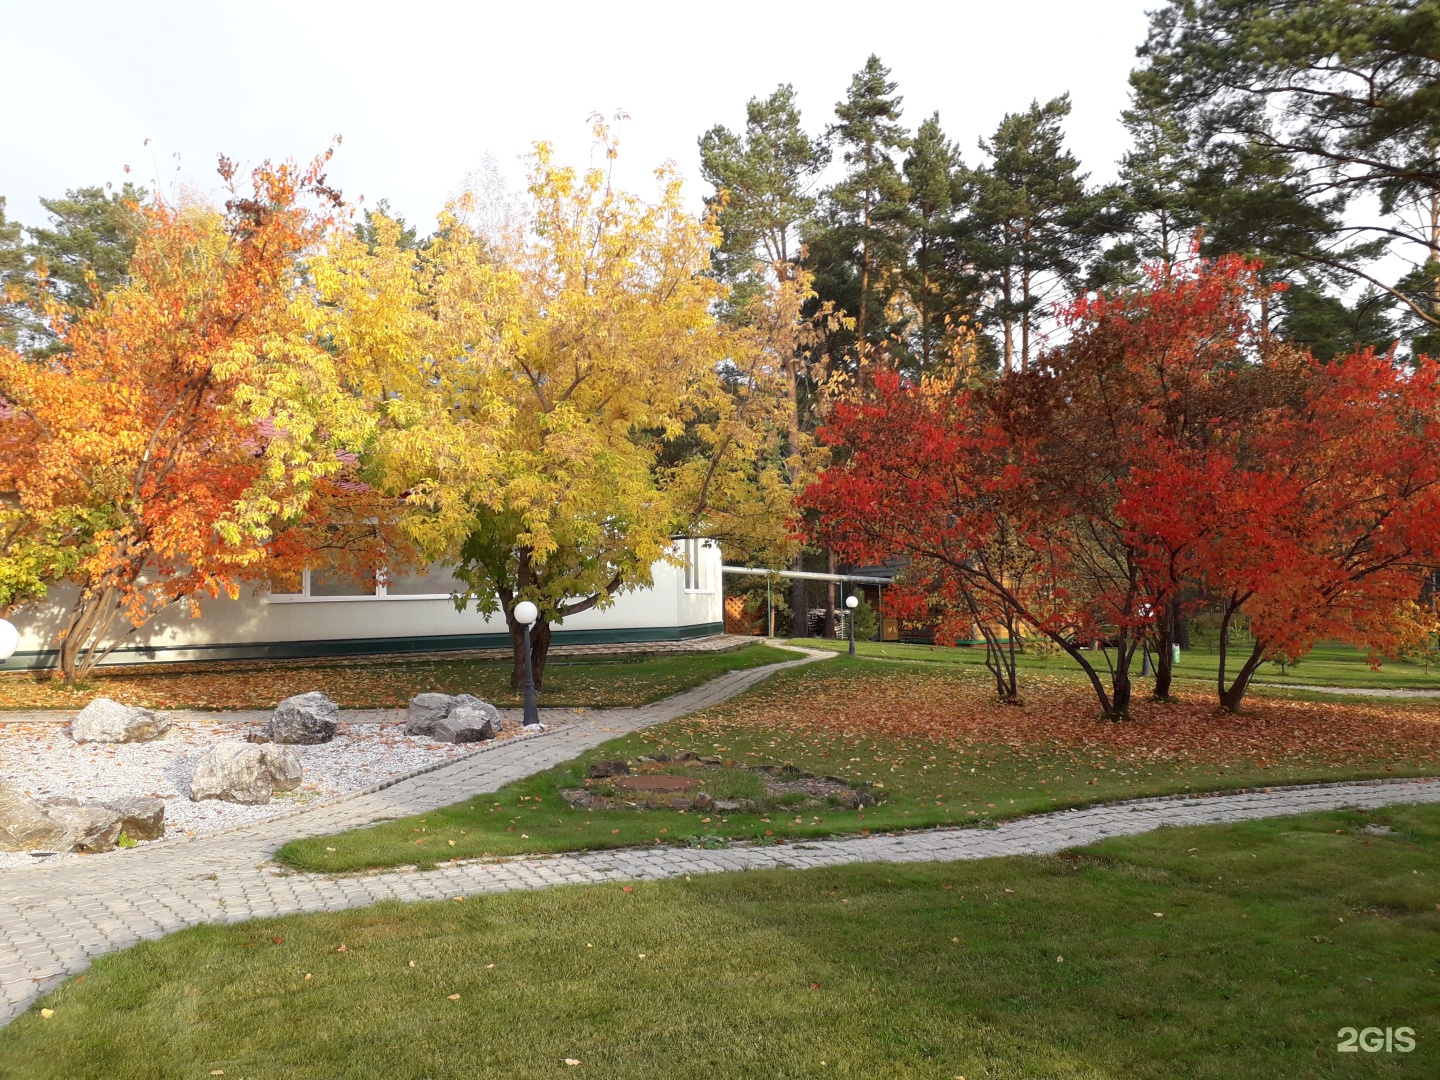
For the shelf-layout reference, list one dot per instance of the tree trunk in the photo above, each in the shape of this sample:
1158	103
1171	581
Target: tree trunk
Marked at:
1121	688
539	650
1231	699
1165	660
90	619
829	631
799	601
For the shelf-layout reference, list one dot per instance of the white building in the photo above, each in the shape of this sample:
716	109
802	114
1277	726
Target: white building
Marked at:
332	618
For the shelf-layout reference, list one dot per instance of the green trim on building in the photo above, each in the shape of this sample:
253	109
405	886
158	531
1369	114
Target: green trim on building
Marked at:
298	650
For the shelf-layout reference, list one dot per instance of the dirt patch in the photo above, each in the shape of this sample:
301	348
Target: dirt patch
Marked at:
688	781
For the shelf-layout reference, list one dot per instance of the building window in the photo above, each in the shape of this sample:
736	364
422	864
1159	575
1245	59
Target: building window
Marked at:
436	583
697	567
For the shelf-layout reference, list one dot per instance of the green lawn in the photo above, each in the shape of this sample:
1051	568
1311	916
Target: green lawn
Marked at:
924	783
599	682
1270	937
1326	665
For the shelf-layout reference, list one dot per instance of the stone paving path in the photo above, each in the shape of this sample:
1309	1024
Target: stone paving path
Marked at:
55	918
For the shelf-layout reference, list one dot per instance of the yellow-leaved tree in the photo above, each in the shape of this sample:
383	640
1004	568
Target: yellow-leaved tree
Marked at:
557	399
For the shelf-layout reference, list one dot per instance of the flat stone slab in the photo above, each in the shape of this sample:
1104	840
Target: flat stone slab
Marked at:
655	783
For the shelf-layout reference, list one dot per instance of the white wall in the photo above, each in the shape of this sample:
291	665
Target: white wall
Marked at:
681	601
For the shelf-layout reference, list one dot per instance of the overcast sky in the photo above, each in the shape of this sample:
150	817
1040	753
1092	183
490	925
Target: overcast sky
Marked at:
423	92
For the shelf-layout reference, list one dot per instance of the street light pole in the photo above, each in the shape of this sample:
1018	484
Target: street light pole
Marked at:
852	602
526	613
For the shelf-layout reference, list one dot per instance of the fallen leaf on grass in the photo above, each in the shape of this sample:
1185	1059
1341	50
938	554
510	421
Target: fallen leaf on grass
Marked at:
626	888
45	1014
572	1061
278	940
453	997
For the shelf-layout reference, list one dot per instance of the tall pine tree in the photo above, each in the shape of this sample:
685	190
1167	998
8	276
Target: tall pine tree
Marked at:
938	287
764	180
859	245
1032	225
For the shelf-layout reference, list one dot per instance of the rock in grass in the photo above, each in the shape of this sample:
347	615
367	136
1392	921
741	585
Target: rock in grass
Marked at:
104	720
305	719
24	825
142	817
247	773
466	724
88	827
601	769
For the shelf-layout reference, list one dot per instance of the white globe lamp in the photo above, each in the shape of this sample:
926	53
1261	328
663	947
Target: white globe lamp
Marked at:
9	639
852	602
526	613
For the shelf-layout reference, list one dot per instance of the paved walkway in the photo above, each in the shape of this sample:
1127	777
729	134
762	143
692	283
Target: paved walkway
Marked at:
1360	691
55	918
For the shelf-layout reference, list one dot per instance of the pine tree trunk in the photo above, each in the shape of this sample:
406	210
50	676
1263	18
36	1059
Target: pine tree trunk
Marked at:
829	631
799	601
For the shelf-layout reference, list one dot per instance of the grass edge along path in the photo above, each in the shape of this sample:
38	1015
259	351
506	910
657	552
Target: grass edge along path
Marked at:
1207	952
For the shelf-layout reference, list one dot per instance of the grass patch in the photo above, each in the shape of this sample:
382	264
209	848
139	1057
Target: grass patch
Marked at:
1272	936
941	752
620	681
1326	665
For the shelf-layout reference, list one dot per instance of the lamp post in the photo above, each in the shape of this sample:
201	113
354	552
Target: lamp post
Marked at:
852	602
526	613
9	640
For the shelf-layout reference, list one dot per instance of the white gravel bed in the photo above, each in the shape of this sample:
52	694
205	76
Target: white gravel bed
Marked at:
42	760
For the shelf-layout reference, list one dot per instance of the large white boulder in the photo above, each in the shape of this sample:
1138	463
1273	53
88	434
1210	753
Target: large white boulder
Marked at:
104	720
243	772
305	718
24	825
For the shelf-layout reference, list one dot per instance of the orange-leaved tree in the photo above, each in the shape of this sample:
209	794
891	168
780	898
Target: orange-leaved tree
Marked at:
174	449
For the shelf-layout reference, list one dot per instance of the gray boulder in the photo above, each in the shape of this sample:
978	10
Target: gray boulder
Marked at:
104	720
243	772
24	826
89	827
428	710
304	718
141	817
465	724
